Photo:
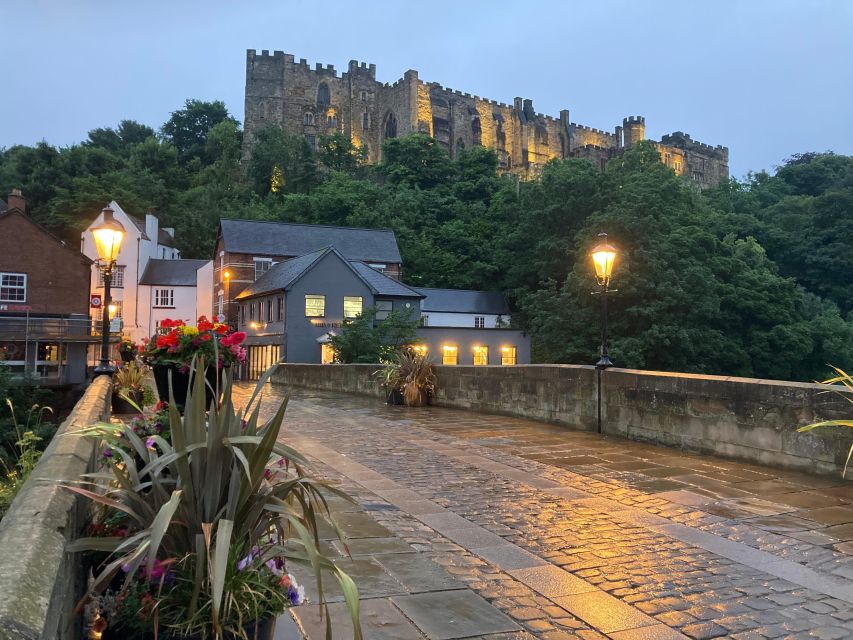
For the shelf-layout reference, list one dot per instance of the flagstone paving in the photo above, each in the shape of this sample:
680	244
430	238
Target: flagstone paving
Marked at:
470	525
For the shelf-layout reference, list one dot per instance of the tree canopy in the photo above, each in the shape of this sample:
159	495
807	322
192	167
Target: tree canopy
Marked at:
749	278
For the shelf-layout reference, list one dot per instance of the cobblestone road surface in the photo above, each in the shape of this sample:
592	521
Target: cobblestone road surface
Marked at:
470	525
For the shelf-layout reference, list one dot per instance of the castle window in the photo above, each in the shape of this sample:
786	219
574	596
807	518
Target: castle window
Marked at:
262	110
364	96
308	118
677	166
365	121
390	126
332	121
323	98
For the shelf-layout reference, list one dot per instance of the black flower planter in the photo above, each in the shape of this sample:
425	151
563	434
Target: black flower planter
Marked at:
395	397
127	356
181	383
122	406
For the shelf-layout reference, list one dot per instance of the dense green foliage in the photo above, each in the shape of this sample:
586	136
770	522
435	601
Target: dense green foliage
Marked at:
748	279
362	339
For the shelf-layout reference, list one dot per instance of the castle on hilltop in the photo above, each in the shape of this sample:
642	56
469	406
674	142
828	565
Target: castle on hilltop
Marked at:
315	102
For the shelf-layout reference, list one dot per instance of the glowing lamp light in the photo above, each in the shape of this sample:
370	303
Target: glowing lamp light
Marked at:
420	349
227	275
111	309
603	258
108	237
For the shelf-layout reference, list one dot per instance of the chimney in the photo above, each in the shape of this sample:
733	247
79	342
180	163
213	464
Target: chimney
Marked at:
16	201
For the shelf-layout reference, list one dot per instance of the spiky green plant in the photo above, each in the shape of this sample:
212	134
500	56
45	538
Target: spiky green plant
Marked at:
844	380
412	373
205	497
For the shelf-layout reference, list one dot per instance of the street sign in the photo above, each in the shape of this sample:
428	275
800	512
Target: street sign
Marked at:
15	307
220	318
96	301
115	325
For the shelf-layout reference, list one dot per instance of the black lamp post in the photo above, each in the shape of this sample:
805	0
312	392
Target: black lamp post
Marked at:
108	236
603	258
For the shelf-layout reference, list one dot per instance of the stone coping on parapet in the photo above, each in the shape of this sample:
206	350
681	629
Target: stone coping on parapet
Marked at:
39	581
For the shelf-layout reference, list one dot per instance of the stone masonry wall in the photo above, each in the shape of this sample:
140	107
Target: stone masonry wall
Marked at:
41	583
739	418
317	101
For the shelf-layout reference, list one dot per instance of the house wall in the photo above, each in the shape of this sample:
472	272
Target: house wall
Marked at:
445	319
57	275
329	277
134	255
183	309
466	339
241	267
204	290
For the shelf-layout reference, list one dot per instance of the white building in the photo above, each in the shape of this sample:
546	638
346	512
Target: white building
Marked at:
150	281
463	308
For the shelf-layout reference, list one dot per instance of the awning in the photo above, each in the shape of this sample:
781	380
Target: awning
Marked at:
326	338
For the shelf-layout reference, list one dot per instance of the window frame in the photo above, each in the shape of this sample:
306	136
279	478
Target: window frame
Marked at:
513	351
280	308
322	308
15	287
447	349
350	299
256	261
158	302
479	322
382	313
478	351
117	278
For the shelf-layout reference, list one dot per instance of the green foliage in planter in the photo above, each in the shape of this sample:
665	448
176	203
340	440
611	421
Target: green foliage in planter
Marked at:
203	499
844	383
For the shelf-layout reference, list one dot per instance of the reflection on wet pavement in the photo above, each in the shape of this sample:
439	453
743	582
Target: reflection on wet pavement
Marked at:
678	544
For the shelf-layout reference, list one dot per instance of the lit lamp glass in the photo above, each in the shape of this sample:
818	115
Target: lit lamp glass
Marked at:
112	311
108	237
603	258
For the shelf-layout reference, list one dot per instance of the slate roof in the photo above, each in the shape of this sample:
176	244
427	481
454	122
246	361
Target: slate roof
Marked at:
162	237
176	273
463	301
140	224
260	237
381	284
282	275
165	239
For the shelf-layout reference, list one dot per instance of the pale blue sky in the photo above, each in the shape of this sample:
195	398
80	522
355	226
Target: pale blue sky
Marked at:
767	78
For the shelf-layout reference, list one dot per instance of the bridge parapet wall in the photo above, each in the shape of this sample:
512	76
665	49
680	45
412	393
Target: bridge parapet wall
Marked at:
739	418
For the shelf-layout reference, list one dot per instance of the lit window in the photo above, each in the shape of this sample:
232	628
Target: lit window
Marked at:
327	354
117	280
352	306
315	306
280	313
164	297
507	355
262	265
479	322
450	354
481	355
383	309
13	287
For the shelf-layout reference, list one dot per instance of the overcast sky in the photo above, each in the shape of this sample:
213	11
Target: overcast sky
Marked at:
767	78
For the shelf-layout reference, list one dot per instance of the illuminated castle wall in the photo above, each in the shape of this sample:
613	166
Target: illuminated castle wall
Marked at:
315	102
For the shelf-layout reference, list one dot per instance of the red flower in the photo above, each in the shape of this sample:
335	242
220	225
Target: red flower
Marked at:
234	339
205	337
169	340
204	324
222	329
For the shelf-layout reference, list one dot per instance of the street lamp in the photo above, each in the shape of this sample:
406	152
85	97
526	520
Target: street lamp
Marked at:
108	237
603	259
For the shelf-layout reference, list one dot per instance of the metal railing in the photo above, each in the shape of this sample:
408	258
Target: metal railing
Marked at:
45	328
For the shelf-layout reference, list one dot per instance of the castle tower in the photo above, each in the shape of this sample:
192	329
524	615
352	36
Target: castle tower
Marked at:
633	130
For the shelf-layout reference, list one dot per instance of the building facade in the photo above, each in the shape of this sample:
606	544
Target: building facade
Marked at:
318	101
150	280
246	249
45	330
463	308
292	311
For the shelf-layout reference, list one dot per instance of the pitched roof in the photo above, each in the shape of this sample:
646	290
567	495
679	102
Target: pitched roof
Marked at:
140	224
463	301
260	237
165	238
282	275
381	284
177	273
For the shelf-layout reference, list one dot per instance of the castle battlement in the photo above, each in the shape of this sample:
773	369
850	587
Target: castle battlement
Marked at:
280	90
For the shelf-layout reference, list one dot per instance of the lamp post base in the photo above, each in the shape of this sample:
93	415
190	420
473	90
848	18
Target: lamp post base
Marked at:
104	369
604	363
